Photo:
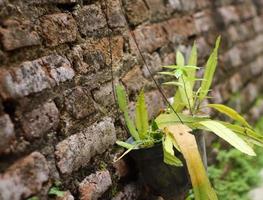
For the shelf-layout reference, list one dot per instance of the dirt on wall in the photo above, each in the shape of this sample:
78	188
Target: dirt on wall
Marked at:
58	117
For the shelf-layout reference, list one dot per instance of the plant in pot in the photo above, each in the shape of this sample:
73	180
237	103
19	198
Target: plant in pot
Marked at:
163	146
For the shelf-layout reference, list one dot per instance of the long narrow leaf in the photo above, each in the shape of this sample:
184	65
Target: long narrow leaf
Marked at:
192	61
179	59
229	112
178	104
229	136
187	143
141	117
209	71
123	105
169	157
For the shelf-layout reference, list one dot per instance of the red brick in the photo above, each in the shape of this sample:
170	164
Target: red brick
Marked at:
24	178
93	186
58	29
16	34
40	120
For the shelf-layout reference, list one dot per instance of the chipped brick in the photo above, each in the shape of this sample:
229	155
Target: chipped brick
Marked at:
93	186
40	120
77	150
24	178
58	29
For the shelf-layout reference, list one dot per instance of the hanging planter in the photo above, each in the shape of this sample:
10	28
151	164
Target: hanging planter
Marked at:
162	179
164	148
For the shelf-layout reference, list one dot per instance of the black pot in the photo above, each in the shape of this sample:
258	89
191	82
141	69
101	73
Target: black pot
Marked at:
165	180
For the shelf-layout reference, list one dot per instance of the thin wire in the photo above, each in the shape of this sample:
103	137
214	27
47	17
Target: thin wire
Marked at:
147	67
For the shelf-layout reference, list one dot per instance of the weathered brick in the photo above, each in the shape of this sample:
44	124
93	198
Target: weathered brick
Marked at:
134	79
116	18
94	185
174	4
157	9
232	58
24	178
104	95
16	34
77	150
179	27
53	1
66	196
235	82
246	10
58	29
95	54
34	76
78	103
91	20
129	192
7	133
257	23
149	38
40	120
136	11
188	5
153	62
203	21
228	15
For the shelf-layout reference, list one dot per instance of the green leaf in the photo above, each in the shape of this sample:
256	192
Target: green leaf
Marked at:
141	117
164	120
124	144
133	146
179	59
245	131
167	73
229	112
56	191
209	71
169	157
229	136
122	98
123	105
192	61
173	83
178	104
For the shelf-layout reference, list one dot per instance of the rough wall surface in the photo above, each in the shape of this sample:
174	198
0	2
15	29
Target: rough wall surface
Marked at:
58	119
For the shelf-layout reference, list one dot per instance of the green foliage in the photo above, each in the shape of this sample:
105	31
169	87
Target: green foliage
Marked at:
33	198
123	105
55	190
209	71
234	175
141	117
187	103
229	136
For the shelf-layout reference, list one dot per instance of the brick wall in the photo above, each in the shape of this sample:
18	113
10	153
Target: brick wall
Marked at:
58	119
